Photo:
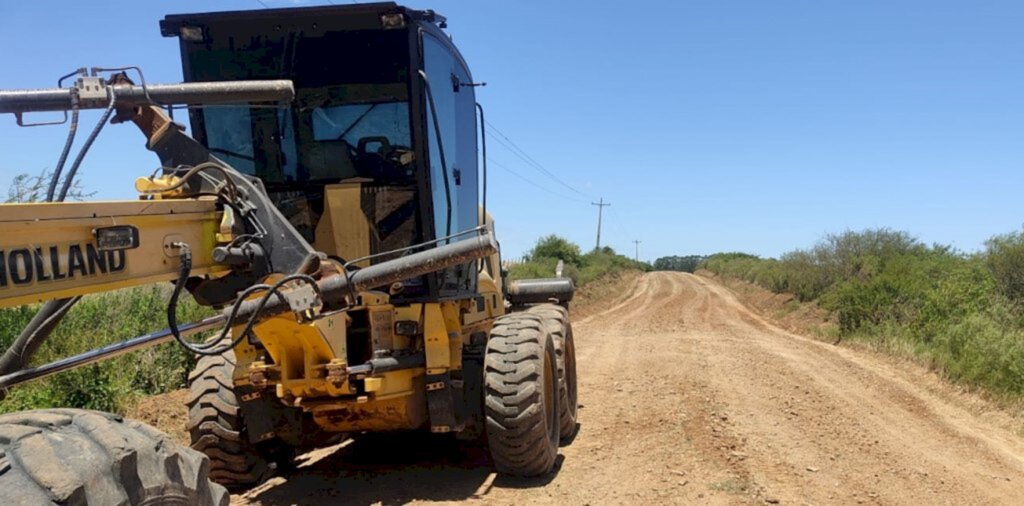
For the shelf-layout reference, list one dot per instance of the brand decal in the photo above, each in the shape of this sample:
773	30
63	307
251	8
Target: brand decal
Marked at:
25	266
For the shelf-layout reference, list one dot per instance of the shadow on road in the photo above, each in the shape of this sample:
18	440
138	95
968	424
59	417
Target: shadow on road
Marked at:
391	469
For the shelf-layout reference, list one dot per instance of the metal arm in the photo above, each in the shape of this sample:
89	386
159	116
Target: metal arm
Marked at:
228	92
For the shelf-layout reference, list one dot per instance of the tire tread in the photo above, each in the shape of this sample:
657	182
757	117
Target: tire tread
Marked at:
517	431
77	456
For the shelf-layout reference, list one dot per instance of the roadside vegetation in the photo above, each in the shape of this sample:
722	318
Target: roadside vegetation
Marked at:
97	320
960	313
583	268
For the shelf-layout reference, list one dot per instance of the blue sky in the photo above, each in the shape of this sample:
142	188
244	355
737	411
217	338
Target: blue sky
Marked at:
710	126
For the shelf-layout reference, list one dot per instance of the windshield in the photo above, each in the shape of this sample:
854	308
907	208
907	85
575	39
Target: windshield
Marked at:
352	122
342	141
239	136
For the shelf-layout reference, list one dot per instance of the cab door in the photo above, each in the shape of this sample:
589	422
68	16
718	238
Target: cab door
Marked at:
452	151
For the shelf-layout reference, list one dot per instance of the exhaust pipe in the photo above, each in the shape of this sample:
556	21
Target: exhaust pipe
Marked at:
539	291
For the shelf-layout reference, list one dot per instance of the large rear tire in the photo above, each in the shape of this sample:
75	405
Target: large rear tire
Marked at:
78	457
521	396
217	427
556	319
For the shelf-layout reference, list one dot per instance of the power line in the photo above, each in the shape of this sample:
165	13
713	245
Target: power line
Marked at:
522	154
531	165
534	183
515	146
261	2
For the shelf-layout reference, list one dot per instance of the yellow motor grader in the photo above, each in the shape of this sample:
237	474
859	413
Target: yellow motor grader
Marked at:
330	204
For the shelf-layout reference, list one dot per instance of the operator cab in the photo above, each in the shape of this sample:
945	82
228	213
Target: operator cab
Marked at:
371	156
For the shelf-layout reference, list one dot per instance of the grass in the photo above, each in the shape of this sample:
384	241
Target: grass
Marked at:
97	320
962	314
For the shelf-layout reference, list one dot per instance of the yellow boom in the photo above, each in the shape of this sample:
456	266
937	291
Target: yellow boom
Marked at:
50	251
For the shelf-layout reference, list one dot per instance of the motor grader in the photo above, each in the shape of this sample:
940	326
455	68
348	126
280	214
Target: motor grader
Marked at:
330	203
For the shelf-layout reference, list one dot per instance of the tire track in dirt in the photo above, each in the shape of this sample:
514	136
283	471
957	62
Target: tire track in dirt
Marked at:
690	397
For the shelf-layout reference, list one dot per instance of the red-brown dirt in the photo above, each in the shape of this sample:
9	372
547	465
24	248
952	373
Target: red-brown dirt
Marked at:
690	397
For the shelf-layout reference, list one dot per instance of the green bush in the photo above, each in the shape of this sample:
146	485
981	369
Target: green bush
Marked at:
556	247
95	321
959	312
542	261
1005	259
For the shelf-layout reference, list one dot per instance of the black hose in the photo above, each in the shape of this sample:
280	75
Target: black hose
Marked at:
228	182
210	347
72	130
49	315
483	143
88	144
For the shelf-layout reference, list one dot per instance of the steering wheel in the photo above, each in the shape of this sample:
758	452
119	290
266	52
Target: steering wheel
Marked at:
369	162
364	142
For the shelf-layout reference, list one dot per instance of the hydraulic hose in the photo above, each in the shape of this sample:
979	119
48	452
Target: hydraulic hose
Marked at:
210	347
72	129
88	144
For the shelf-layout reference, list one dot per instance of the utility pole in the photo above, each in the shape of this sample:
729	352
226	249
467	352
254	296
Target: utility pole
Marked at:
600	207
637	243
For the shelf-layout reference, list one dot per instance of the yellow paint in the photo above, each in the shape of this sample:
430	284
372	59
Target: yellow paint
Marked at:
373	384
435	339
388	414
301	352
333	327
343	229
157	187
68	225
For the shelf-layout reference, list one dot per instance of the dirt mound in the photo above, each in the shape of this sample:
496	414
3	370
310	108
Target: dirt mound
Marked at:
604	293
166	412
782	309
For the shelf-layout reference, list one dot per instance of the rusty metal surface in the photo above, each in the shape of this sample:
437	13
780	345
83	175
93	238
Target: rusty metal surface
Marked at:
406	412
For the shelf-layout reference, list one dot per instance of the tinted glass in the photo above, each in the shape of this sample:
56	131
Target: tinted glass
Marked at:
453	177
357	121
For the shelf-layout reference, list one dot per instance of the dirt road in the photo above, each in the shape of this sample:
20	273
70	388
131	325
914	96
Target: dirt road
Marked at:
689	397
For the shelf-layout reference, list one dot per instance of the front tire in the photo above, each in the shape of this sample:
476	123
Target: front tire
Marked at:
521	396
78	457
217	427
